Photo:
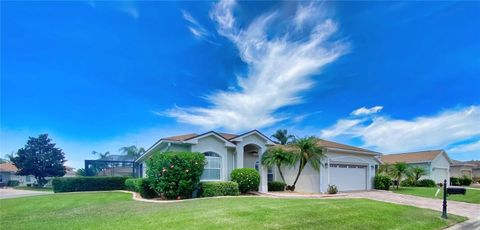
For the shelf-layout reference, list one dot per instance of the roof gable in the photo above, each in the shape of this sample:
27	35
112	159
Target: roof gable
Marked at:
194	140
253	132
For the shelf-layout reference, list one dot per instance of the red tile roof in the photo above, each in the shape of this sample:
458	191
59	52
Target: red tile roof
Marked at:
8	167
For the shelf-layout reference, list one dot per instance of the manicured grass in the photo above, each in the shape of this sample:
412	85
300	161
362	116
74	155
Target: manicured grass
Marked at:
115	210
472	196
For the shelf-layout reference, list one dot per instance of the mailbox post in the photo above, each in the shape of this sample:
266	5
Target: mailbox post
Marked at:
444	210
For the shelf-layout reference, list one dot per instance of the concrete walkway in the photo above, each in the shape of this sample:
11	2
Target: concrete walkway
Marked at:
13	193
472	211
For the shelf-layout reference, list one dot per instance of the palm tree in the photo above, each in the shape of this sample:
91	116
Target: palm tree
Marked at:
277	156
307	152
417	172
132	151
385	169
100	155
282	136
399	170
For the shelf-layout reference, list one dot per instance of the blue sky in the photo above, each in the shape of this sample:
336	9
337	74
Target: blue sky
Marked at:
391	77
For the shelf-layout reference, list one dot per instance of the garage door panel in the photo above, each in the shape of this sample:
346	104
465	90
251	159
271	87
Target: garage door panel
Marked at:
348	177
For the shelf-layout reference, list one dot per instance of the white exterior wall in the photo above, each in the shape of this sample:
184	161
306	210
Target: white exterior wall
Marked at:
427	167
213	144
309	180
440	169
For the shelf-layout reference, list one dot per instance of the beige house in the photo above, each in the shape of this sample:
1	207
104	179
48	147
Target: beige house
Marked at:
461	169
347	167
8	173
435	162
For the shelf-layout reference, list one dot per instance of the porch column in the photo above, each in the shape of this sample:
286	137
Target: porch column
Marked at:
239	153
263	187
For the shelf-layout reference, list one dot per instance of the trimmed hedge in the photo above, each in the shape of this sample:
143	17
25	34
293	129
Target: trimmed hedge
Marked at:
382	182
407	183
465	181
455	181
219	188
248	179
426	183
130	184
142	186
276	186
13	183
175	175
75	184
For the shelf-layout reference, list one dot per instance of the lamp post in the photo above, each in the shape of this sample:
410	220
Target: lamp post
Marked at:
444	210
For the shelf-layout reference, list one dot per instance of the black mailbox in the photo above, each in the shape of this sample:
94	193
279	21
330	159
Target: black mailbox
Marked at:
452	191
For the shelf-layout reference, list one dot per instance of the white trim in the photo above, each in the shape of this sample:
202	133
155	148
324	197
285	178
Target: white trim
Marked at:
211	133
240	138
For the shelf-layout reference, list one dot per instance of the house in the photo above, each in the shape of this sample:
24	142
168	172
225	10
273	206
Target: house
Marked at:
461	169
435	162
8	173
348	167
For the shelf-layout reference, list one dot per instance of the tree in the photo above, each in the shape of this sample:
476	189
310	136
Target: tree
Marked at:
385	169
399	170
101	155
282	136
81	172
307	152
40	158
132	151
417	172
277	156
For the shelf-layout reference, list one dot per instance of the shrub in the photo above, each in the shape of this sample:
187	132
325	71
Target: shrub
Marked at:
476	179
248	179
74	184
13	183
426	183
382	182
144	187
465	181
276	186
175	175
407	183
220	188
332	189
455	181
130	184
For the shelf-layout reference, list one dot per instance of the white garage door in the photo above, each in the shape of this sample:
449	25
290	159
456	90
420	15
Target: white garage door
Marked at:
348	177
439	175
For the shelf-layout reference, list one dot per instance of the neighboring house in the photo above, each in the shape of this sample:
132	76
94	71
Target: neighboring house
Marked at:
8	173
461	169
348	167
436	163
476	168
69	172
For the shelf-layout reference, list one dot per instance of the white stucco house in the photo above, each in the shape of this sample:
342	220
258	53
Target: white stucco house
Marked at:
436	163
347	167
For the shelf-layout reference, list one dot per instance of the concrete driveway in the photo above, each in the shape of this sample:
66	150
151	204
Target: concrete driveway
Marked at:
458	208
13	193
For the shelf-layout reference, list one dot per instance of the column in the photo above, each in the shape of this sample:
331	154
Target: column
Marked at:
239	154
263	187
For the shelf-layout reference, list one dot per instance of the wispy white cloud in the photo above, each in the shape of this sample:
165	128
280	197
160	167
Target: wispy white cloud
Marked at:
472	147
367	111
195	27
129	8
427	132
280	69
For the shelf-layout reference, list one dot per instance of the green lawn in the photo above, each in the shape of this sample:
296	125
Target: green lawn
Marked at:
115	210
472	196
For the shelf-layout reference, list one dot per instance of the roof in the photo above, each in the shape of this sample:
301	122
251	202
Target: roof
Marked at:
333	145
466	163
8	167
188	136
412	157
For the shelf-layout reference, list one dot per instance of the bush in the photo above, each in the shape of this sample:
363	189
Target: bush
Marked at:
13	183
130	184
276	186
248	179
332	189
455	181
465	181
142	186
382	182
476	179
407	183
220	188
74	184
175	175
426	183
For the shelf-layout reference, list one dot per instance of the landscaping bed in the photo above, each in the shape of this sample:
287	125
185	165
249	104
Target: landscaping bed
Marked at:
116	210
472	196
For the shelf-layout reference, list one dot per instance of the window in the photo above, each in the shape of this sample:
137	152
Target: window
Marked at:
28	179
213	167
270	171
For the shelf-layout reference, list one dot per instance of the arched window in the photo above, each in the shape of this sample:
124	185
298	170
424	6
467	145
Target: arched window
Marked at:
213	167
